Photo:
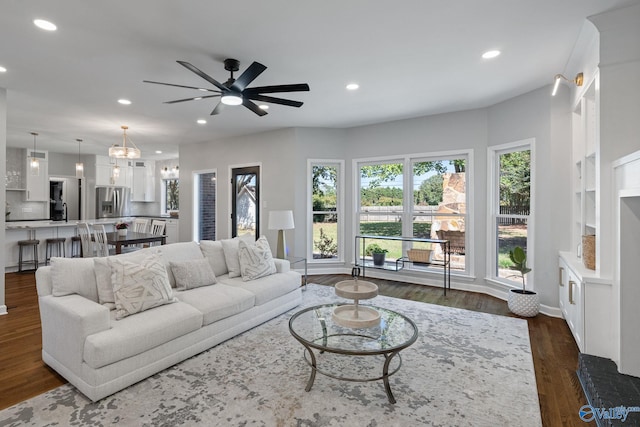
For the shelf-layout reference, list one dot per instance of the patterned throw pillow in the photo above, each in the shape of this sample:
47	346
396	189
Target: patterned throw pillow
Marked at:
139	286
192	274
255	259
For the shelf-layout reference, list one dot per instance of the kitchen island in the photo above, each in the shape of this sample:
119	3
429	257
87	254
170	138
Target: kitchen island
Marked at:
42	230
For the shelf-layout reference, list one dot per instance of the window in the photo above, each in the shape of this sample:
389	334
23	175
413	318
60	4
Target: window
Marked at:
325	234
419	196
170	195
511	183
204	212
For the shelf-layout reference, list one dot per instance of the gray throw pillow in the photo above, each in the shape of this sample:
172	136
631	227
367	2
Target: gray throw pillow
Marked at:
192	274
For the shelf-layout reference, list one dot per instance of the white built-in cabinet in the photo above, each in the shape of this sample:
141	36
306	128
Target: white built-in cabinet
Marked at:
104	172
585	301
586	295
143	183
171	230
37	186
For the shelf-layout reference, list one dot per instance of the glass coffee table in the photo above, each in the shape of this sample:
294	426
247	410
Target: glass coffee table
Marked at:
315	329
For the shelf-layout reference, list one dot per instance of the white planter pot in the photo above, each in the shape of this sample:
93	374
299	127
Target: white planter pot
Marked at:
122	232
523	304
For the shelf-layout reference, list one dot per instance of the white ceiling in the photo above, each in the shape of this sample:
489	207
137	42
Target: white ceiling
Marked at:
410	57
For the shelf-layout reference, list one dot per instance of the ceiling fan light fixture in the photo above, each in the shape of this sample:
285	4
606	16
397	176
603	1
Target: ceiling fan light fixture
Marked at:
231	99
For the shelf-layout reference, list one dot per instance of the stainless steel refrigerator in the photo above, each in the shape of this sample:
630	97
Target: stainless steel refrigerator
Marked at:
113	202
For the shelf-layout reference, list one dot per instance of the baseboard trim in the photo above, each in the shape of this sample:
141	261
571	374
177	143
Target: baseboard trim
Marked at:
460	283
3	310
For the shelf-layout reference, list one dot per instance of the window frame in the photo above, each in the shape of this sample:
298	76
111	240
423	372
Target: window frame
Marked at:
408	161
493	207
339	164
163	194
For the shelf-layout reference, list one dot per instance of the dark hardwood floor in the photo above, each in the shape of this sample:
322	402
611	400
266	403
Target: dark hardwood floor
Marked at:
555	354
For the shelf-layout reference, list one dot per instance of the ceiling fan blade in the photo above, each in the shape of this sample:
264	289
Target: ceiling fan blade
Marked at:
197	98
301	87
203	75
186	87
253	107
271	99
249	75
218	109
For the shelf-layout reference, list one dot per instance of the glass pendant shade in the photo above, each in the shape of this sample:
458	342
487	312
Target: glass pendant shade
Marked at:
34	165
79	165
115	172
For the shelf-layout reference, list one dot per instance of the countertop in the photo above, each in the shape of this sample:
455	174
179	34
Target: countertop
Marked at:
46	223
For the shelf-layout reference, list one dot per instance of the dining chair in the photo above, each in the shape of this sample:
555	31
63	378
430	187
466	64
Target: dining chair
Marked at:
141	225
157	228
101	245
86	240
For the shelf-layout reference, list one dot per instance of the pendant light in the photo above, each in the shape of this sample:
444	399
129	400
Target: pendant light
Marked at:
115	172
124	152
34	165
79	165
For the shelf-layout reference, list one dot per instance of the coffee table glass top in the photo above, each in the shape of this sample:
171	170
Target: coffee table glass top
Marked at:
315	327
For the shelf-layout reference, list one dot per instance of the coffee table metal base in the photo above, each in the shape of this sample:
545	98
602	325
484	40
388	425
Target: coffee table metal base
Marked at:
312	362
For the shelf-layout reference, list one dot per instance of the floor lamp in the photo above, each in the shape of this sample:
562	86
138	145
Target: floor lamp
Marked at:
281	220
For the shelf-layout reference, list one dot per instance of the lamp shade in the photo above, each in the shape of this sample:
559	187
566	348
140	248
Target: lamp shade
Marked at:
281	220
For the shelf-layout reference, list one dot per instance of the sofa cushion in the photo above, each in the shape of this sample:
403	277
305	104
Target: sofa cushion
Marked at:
255	259
213	252
139	333
217	302
73	276
182	251
230	248
266	288
103	273
192	274
140	286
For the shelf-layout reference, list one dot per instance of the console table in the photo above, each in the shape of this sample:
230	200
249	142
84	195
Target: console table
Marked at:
403	261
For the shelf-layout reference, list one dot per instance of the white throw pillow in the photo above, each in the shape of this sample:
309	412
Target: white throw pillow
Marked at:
212	251
192	274
255	259
230	248
73	276
139	286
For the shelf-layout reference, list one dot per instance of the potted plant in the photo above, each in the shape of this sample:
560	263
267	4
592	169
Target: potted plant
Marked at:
374	250
121	228
521	301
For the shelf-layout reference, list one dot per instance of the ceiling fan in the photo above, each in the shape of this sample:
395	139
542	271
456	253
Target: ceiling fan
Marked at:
235	91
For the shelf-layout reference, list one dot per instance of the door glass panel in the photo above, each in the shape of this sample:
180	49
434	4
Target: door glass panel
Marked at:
206	206
245	212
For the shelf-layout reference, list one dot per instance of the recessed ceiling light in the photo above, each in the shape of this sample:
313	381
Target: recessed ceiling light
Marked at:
45	25
353	86
124	101
263	106
2	69
201	121
490	54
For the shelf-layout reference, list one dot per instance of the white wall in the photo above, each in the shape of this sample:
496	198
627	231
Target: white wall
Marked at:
283	155
3	167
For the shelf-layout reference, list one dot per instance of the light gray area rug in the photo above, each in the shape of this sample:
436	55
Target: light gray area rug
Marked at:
465	369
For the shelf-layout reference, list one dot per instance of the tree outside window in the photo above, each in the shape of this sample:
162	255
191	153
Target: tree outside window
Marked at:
171	195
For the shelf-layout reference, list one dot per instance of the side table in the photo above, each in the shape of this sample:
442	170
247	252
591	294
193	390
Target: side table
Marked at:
296	259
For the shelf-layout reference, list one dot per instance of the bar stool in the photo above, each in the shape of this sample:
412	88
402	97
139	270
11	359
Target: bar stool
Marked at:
54	244
76	247
33	243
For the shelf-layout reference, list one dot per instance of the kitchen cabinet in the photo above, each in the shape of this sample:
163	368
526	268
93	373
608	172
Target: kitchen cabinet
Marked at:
37	186
143	183
171	230
104	172
585	301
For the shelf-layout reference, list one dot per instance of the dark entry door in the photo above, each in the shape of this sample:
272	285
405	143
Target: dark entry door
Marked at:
245	211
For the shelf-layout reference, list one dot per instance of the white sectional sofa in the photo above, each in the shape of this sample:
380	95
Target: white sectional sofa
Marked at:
85	343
